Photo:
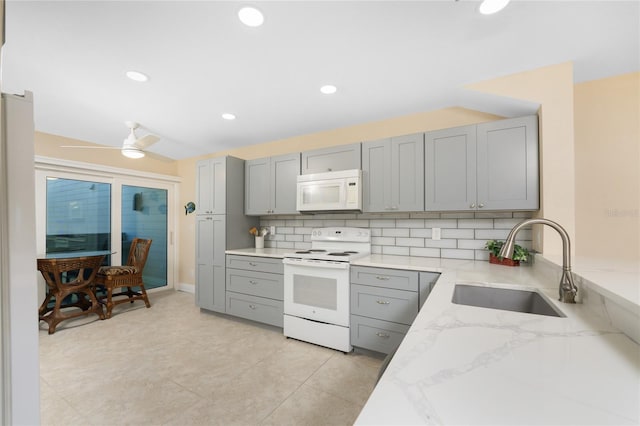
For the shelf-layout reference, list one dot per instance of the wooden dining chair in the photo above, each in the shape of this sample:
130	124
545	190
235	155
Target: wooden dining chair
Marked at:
127	276
69	285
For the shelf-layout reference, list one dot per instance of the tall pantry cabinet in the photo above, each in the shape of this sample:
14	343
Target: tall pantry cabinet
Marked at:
220	225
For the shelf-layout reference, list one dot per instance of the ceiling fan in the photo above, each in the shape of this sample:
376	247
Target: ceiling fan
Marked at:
132	146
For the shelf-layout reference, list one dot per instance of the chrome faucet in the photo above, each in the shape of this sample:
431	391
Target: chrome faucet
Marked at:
568	289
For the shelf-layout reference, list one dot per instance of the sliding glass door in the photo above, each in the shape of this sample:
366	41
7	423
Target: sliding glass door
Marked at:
144	215
90	211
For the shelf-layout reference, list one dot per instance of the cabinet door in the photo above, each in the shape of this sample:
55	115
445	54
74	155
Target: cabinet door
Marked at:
427	281
203	187
508	164
256	201
210	262
450	169
376	176
284	172
407	173
219	181
343	157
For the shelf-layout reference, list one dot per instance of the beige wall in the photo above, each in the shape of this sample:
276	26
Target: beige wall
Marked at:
552	88
607	134
48	145
440	119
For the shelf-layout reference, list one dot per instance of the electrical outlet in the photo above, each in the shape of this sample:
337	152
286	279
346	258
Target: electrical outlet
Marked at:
435	233
272	230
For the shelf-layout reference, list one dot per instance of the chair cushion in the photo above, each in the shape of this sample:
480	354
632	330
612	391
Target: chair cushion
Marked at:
117	270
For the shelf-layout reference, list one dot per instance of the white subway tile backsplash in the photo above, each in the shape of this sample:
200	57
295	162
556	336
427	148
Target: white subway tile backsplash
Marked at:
399	251
410	242
464	234
441	223
457	254
424	252
471	244
420	233
440	243
492	234
475	223
383	241
410	223
382	223
456	233
395	232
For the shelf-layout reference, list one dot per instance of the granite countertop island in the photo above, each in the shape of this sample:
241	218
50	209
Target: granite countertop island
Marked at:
467	365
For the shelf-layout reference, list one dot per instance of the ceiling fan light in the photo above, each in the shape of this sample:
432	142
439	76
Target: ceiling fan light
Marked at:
328	89
489	7
134	153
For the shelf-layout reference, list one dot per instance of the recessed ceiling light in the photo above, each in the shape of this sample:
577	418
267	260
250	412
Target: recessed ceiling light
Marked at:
250	16
489	7
137	76
328	89
228	116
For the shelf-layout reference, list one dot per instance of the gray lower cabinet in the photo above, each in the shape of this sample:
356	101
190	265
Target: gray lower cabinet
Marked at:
270	185
393	174
255	288
210	267
489	166
384	303
342	157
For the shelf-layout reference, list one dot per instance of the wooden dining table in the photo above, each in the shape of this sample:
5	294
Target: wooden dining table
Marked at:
69	278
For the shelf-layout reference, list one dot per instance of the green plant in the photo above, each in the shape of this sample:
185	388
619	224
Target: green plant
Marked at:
519	252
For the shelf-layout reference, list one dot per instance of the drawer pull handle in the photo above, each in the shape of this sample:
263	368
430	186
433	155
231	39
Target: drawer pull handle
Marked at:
252	307
253	282
382	302
383	335
382	278
253	264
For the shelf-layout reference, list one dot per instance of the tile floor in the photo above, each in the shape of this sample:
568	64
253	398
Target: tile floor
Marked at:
175	365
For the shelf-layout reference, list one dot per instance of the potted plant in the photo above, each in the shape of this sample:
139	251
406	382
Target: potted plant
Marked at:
519	254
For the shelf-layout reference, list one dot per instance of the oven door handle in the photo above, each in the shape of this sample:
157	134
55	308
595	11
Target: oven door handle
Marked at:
312	263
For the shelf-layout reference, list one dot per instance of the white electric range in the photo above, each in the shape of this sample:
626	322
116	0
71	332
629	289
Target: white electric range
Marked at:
316	286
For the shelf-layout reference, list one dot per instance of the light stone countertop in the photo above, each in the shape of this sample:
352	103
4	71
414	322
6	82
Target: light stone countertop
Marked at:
460	364
466	365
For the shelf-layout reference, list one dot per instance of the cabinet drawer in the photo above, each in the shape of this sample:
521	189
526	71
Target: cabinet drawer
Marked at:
255	263
388	278
399	306
260	284
254	308
376	335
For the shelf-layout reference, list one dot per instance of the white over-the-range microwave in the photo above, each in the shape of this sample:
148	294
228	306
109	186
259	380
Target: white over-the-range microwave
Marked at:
330	191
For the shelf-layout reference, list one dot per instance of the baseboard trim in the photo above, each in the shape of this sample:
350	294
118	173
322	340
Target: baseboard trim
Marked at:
187	288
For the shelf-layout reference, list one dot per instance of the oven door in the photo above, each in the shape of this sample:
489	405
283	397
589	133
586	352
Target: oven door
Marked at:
317	290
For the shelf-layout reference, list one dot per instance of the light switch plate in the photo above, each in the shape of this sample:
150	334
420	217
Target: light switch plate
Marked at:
435	233
272	230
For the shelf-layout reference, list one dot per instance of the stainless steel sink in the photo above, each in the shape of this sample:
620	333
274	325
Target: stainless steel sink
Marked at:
525	301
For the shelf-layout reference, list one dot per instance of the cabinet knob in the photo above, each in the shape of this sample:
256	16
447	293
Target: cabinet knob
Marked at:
481	205
253	282
253	264
382	302
382	335
252	307
381	278
328	170
472	206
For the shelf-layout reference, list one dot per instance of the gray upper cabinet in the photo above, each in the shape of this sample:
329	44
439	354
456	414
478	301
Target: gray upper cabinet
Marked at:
211	183
489	166
393	174
450	169
508	171
271	185
343	157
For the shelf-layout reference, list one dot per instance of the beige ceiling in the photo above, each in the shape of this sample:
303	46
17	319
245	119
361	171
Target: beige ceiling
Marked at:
387	58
